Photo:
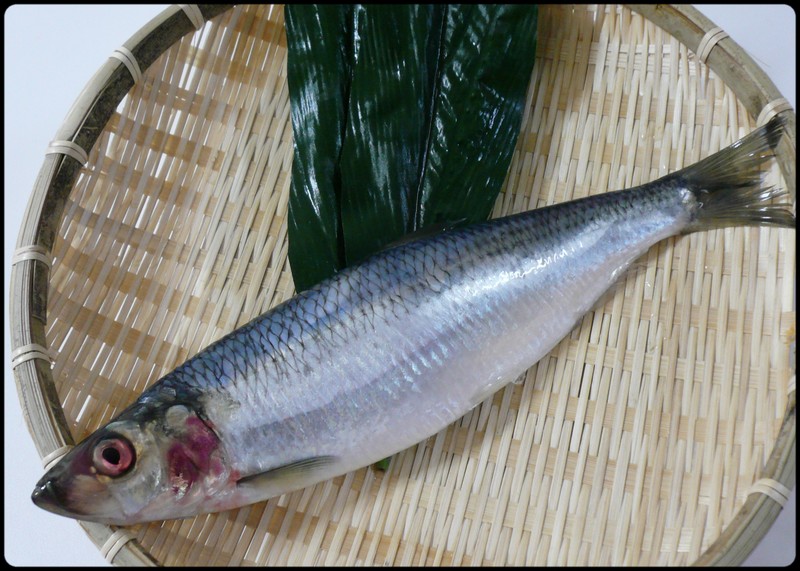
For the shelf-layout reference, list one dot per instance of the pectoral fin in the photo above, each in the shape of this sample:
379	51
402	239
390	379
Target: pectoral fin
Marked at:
290	472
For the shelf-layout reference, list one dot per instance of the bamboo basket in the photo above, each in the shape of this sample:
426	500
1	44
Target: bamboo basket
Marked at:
660	431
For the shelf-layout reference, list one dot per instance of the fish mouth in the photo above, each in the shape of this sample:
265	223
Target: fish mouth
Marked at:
50	496
75	500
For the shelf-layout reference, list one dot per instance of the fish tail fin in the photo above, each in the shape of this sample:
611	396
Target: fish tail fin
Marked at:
728	186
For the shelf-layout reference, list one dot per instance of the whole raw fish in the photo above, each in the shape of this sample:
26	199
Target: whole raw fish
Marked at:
388	352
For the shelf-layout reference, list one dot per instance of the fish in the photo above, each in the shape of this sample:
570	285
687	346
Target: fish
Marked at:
388	352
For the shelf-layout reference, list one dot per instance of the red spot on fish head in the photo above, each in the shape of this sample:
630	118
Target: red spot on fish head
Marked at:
193	456
183	471
201	439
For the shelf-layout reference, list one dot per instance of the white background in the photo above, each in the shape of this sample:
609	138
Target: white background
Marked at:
51	52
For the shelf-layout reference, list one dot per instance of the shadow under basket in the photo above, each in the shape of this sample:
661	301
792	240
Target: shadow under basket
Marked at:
660	431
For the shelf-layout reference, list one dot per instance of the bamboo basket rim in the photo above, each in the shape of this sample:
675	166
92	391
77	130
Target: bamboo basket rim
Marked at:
93	108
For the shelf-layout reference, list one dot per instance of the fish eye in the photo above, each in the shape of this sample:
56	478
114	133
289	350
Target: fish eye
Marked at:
114	456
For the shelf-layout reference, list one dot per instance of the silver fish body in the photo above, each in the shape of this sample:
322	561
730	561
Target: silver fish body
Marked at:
389	352
373	360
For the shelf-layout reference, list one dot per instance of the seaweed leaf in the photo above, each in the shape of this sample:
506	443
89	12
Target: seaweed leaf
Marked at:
318	75
395	55
414	115
478	110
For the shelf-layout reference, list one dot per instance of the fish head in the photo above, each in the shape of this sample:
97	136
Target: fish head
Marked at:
140	468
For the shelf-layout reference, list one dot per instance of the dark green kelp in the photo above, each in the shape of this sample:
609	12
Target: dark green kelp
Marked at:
483	79
319	65
404	117
395	61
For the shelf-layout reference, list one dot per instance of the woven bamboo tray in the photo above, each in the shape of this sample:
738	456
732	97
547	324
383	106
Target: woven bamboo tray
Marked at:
661	431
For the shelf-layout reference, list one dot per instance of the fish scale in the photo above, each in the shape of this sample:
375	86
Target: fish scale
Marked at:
388	352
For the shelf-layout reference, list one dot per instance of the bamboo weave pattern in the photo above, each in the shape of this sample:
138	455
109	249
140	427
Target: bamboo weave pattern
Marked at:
634	442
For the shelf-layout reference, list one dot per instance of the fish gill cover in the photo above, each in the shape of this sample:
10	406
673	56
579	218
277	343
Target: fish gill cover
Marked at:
404	117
